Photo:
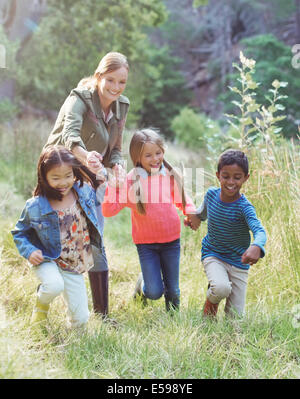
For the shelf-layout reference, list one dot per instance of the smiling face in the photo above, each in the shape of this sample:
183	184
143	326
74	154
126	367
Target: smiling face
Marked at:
111	85
151	157
231	178
61	178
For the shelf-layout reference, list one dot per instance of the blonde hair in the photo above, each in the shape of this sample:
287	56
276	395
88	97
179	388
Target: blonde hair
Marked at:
137	143
109	63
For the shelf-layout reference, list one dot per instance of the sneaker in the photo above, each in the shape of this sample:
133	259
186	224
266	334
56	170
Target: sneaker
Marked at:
138	290
39	313
210	309
138	287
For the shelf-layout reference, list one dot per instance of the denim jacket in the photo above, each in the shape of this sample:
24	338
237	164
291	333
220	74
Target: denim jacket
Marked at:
38	226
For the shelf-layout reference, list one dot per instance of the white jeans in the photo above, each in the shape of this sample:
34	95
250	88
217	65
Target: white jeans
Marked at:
226	281
55	281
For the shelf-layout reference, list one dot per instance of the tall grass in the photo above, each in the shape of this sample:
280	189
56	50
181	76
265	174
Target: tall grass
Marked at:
147	342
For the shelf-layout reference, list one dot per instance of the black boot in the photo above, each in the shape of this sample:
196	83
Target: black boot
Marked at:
172	303
99	290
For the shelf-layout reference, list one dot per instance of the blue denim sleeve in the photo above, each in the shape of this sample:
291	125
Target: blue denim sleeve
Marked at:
21	235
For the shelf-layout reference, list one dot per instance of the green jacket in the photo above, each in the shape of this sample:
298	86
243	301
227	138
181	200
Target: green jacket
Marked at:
80	122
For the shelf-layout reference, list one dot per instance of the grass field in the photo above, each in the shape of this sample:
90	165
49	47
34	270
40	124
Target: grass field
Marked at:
147	342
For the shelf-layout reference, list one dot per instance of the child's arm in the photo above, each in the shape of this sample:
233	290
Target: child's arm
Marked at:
194	220
190	208
251	255
115	200
20	236
256	249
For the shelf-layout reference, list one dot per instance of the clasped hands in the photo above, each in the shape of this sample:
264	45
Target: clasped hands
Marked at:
192	221
116	175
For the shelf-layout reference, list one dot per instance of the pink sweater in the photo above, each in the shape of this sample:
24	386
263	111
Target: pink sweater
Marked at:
161	222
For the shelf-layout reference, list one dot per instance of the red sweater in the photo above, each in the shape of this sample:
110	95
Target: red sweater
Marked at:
161	222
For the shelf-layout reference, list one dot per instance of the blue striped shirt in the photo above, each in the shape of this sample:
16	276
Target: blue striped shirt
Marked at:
228	226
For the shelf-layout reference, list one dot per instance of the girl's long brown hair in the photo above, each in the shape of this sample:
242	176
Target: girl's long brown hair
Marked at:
52	157
138	140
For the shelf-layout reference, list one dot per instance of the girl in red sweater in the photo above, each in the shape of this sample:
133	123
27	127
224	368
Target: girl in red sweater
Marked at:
152	191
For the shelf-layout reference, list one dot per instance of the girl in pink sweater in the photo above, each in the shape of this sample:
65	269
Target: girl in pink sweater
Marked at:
152	191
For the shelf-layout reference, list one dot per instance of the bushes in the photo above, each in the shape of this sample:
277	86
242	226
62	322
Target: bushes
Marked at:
8	110
193	129
20	147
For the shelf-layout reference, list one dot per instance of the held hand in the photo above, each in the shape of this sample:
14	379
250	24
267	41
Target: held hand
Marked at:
251	255
94	161
193	221
187	222
119	174
36	257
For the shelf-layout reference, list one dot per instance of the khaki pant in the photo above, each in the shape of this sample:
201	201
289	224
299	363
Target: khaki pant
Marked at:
226	281
55	281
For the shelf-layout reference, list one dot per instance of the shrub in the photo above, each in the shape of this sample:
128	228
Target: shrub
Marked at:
193	129
8	110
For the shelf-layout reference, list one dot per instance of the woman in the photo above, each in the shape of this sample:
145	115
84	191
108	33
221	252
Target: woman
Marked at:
90	123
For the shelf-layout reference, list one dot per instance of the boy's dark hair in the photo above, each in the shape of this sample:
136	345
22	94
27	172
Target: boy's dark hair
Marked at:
231	157
52	157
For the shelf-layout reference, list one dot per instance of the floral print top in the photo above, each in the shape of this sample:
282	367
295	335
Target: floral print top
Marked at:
76	251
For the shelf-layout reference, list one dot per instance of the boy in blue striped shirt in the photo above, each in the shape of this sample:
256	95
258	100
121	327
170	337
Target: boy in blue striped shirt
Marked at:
226	250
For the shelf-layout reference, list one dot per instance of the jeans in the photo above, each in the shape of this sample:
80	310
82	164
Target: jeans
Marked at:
226	281
55	281
160	269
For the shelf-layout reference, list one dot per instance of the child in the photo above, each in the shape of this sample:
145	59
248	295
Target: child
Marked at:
152	190
56	231
226	250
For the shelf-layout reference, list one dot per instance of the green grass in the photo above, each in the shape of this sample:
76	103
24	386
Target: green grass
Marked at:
147	342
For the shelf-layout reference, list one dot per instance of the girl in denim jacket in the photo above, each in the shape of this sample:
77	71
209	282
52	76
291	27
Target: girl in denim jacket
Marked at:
57	230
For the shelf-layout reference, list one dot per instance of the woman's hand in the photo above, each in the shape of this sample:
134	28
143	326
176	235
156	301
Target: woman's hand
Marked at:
36	257
94	161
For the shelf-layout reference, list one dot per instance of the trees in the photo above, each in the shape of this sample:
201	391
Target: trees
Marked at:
71	39
18	20
167	92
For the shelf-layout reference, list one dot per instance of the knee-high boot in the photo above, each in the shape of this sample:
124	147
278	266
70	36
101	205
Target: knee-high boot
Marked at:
99	289
172	303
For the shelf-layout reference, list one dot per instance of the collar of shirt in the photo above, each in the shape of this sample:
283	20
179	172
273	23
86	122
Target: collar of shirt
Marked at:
144	174
115	107
109	116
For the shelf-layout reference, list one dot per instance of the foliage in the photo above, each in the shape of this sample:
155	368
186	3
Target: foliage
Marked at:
255	122
8	67
10	51
273	62
147	342
166	92
72	39
193	129
8	110
20	147
198	3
